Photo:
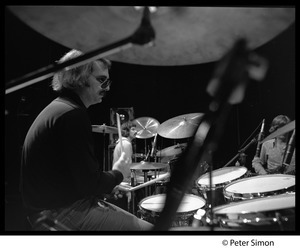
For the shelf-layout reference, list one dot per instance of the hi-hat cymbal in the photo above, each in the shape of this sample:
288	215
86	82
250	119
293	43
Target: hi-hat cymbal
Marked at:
146	127
184	35
104	129
182	126
142	166
285	129
172	150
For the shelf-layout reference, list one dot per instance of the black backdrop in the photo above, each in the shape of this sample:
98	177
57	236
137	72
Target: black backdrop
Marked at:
153	91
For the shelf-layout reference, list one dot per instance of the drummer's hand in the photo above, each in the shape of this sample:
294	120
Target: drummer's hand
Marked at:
116	193
122	165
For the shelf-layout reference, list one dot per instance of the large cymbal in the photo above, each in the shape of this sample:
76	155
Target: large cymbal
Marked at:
146	127
284	129
182	126
184	35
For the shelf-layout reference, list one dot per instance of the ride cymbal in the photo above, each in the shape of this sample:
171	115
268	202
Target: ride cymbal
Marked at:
146	127
183	35
182	126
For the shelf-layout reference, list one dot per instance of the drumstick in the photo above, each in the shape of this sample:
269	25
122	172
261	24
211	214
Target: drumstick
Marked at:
119	131
131	189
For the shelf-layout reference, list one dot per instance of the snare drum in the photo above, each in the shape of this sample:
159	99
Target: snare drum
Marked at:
151	207
220	178
259	186
270	213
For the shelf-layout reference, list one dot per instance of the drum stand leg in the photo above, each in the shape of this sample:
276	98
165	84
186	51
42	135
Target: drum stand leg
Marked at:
131	204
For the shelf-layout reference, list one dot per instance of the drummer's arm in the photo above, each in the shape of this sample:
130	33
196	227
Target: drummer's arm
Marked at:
259	162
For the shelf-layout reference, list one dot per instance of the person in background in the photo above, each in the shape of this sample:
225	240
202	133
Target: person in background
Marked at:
129	132
272	151
61	178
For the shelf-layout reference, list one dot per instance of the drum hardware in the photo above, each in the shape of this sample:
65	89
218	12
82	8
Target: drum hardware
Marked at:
145	167
182	126
128	188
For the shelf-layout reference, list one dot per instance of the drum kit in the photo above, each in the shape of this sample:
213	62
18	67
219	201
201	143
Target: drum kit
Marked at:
258	203
238	202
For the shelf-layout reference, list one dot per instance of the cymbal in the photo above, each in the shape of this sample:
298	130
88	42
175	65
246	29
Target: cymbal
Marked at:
284	129
146	127
142	166
172	150
104	129
184	35
182	126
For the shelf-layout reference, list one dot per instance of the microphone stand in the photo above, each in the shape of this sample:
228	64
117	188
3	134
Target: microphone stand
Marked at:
241	152
143	35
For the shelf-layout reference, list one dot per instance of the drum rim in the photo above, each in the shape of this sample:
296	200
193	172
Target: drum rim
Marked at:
285	195
245	220
219	185
244	196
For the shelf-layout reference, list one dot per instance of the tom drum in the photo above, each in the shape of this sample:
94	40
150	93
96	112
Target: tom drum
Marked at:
220	178
259	186
151	207
270	213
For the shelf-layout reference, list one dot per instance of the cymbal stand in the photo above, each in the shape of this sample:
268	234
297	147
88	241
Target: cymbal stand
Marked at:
142	36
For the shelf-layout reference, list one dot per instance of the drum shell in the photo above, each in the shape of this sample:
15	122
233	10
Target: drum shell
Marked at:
183	218
257	214
259	186
216	190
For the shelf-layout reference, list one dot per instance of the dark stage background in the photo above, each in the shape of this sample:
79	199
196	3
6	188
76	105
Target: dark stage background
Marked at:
153	91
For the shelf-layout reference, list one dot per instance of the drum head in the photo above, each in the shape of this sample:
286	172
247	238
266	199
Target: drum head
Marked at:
269	213
156	203
222	175
270	203
259	185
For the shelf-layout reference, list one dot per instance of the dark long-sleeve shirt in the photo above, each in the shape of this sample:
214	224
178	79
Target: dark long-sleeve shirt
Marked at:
58	161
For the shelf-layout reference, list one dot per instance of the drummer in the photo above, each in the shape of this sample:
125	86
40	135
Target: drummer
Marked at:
128	134
61	178
273	151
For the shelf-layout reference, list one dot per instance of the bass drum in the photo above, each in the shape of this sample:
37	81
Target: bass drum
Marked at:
220	178
259	186
269	213
151	207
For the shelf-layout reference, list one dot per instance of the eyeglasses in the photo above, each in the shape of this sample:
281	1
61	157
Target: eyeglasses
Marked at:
104	82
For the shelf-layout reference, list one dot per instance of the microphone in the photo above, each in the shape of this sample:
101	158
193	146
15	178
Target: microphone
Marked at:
289	151
260	138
